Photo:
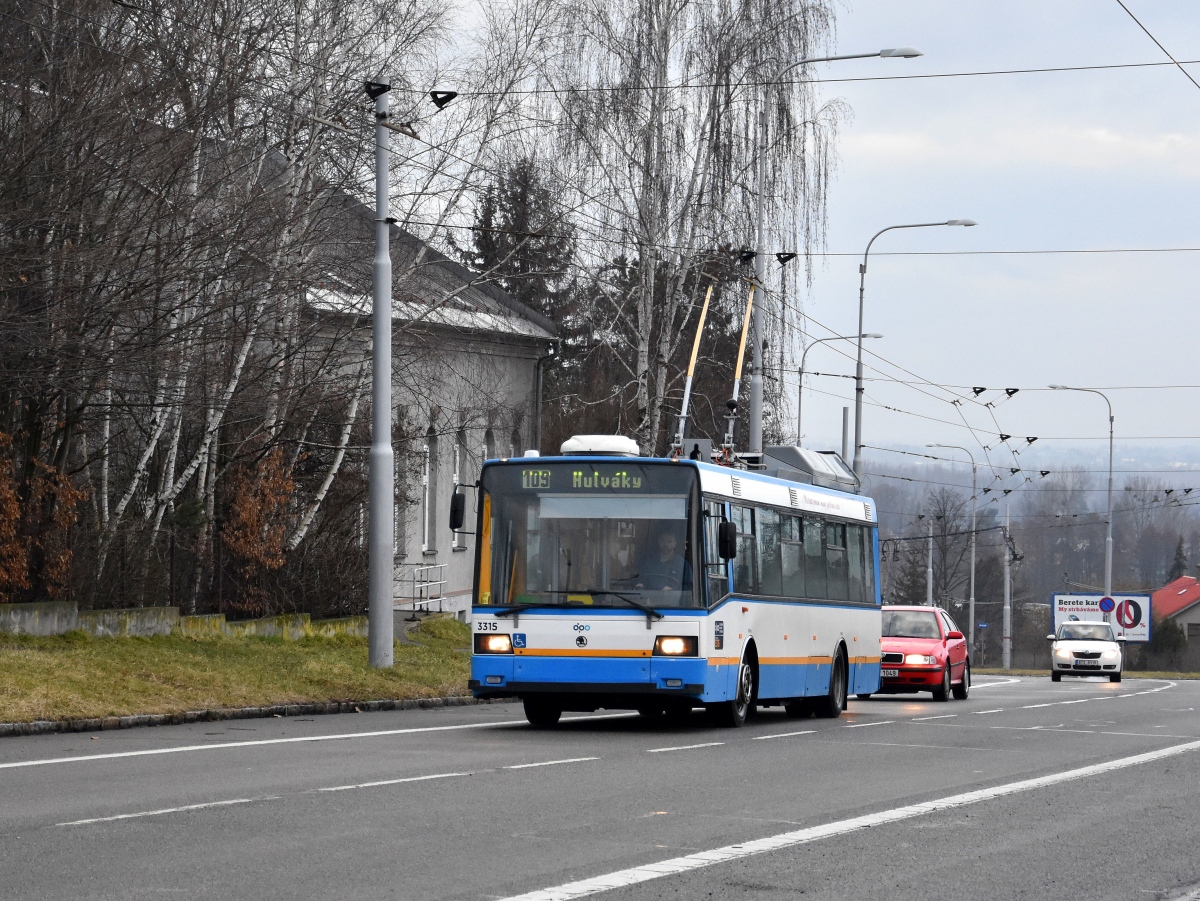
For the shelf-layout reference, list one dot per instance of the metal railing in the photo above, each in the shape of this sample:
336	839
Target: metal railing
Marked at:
426	586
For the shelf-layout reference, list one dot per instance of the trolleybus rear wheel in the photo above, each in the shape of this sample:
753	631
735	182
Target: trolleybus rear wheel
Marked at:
832	705
541	713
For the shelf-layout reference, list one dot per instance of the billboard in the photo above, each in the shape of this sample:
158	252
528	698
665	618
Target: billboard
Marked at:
1128	614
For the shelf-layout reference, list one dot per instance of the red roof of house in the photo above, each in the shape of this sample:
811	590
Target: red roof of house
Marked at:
1176	596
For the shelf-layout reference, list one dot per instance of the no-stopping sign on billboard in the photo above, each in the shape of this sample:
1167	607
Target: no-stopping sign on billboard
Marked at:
1128	614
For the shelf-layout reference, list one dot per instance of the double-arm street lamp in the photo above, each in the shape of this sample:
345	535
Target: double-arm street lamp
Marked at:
760	259
800	387
974	505
858	371
1108	544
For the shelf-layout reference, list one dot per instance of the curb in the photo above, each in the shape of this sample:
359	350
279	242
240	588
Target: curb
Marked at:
98	724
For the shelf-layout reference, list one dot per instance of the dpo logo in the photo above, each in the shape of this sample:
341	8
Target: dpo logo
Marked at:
581	627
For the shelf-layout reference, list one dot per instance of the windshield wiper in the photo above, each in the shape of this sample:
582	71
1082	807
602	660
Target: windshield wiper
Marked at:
650	612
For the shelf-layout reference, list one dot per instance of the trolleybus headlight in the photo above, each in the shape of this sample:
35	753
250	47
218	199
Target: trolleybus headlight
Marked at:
920	659
493	644
674	646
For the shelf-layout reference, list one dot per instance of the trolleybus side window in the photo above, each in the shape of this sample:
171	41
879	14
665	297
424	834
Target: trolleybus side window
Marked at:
716	569
815	585
854	551
770	575
745	566
791	556
835	560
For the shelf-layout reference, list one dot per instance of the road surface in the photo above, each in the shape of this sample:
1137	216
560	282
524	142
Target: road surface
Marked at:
1028	789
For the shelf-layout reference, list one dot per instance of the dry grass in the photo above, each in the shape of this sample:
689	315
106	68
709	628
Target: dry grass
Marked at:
74	675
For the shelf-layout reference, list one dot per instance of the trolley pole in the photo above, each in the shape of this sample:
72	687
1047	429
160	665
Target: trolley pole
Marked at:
928	565
381	470
1006	646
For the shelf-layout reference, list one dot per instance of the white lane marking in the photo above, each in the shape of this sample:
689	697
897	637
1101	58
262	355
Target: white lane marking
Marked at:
860	725
525	766
677	865
1128	694
707	744
344	788
940	716
1007	681
344	736
783	735
155	813
981	712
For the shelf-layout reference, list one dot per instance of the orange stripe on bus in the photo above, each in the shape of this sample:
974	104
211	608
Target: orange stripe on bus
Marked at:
577	652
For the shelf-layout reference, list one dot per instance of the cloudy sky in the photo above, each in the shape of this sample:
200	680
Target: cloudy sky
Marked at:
1085	160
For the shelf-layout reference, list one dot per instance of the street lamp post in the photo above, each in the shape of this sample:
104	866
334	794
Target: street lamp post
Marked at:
760	259
1108	542
800	387
858	370
974	508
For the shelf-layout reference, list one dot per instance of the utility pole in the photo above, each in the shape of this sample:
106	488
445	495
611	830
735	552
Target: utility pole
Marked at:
929	566
381	489
1006	646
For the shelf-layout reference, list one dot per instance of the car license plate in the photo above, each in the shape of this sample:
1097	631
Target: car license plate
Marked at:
889	673
1087	664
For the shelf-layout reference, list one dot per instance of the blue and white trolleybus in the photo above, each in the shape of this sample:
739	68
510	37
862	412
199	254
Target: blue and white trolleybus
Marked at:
611	580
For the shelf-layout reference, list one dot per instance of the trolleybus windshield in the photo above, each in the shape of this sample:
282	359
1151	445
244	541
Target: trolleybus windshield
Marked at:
592	534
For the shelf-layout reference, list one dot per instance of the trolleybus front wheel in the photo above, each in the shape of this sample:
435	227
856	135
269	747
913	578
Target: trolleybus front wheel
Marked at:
733	713
541	713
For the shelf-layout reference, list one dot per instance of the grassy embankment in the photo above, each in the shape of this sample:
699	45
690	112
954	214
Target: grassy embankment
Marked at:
76	676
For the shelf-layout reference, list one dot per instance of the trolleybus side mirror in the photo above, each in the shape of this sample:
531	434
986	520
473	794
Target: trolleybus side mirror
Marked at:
458	511
727	540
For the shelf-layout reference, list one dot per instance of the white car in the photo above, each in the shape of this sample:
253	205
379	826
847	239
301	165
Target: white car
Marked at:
1086	649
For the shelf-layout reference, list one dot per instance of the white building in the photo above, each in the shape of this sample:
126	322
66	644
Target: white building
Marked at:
466	373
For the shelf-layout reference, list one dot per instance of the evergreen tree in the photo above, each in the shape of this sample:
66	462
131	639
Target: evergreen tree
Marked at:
910	584
1179	566
522	239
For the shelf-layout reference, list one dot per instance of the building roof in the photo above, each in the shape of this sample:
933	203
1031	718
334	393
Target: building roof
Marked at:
1175	597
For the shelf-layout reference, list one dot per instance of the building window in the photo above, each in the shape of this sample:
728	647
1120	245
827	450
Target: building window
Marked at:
429	495
460	466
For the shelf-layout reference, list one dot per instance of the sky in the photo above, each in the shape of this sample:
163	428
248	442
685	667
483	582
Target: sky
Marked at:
1092	160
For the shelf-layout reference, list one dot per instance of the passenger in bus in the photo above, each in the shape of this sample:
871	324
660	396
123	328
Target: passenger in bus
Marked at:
666	567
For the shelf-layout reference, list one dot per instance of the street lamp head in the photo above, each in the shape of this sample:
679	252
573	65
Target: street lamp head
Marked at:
902	52
872	335
965	222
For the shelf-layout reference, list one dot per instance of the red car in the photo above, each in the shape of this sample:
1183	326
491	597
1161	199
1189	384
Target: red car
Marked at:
923	650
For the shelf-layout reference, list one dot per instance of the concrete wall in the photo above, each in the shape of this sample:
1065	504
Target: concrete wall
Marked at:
140	621
52	618
57	617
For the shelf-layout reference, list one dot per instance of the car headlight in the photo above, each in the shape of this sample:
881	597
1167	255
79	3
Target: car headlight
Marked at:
1064	653
1111	655
493	643
675	646
920	659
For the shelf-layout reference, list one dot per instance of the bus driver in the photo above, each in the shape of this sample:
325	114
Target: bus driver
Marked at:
666	569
